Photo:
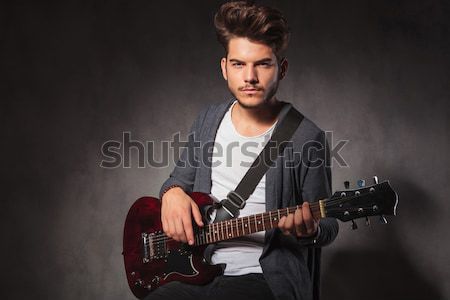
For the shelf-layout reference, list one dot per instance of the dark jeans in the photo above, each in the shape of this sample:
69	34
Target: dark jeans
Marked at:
249	286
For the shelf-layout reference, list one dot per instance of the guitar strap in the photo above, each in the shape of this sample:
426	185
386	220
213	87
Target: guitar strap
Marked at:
229	208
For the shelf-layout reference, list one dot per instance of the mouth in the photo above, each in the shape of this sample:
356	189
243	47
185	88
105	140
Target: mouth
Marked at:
250	90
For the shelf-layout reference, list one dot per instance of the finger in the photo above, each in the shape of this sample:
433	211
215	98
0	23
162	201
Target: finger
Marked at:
180	230
289	225
165	226
308	219
281	223
196	213
171	231
187	224
298	221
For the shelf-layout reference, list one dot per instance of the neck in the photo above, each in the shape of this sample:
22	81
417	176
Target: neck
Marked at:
237	227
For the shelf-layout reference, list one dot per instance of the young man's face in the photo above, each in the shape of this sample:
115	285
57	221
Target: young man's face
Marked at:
252	72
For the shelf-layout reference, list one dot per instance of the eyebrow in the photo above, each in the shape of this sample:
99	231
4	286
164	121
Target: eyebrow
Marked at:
268	59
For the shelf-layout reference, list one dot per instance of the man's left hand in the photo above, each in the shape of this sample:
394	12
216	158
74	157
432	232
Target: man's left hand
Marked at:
301	224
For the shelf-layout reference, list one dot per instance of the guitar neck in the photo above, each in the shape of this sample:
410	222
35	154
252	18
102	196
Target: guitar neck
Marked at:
237	227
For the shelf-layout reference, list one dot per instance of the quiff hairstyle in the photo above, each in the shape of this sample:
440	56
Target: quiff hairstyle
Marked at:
258	23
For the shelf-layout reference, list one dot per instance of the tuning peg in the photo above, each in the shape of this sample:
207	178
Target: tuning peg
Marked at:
375	179
361	183
347	184
354	225
383	220
367	221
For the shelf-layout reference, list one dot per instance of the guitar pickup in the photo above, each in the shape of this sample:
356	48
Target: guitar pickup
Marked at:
146	249
154	246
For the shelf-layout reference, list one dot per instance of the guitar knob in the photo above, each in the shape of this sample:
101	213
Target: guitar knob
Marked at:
347	184
383	220
156	279
361	183
375	179
139	282
354	226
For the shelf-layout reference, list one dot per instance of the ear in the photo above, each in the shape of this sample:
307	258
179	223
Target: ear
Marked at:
223	65
283	68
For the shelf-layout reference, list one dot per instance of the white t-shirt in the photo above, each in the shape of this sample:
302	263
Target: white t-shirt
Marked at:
233	154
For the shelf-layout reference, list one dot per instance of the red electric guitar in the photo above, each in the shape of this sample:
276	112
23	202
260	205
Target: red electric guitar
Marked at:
152	259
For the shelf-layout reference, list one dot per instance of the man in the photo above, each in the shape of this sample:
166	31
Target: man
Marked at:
280	263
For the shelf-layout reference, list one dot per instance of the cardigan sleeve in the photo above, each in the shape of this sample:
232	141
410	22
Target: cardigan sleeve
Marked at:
183	175
316	185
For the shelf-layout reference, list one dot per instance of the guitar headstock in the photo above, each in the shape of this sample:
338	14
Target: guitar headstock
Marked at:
375	200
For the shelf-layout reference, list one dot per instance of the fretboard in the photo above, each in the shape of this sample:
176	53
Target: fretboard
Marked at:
237	227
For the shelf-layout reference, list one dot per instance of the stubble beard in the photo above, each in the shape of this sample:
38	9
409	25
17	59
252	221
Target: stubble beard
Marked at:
266	101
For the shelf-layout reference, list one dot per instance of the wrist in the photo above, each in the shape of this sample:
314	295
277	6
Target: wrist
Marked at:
170	189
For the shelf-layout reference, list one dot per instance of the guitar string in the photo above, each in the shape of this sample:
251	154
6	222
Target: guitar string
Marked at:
266	216
163	237
263	217
313	205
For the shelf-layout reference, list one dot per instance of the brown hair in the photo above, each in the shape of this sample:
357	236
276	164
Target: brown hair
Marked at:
256	22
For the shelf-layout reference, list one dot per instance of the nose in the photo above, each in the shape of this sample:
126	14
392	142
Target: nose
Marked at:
250	75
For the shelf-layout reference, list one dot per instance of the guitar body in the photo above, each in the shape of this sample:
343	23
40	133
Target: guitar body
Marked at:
152	259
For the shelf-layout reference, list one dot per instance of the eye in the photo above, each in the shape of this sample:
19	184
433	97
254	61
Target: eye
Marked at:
237	64
265	64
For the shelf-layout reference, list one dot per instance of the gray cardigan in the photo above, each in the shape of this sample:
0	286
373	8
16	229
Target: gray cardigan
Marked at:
290	266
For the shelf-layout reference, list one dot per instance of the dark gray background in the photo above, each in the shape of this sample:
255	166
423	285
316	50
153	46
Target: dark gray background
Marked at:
75	74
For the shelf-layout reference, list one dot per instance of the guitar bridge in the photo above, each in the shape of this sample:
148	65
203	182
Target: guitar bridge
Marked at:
153	245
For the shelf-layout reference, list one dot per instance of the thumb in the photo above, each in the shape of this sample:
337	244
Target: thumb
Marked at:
196	213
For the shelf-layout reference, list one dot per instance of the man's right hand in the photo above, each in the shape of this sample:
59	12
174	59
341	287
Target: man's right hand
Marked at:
177	209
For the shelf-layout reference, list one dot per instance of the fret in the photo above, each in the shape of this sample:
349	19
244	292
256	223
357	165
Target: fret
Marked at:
221	229
242	223
231	226
256	228
217	231
248	224
237	228
258	222
278	211
211	234
264	225
226	228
